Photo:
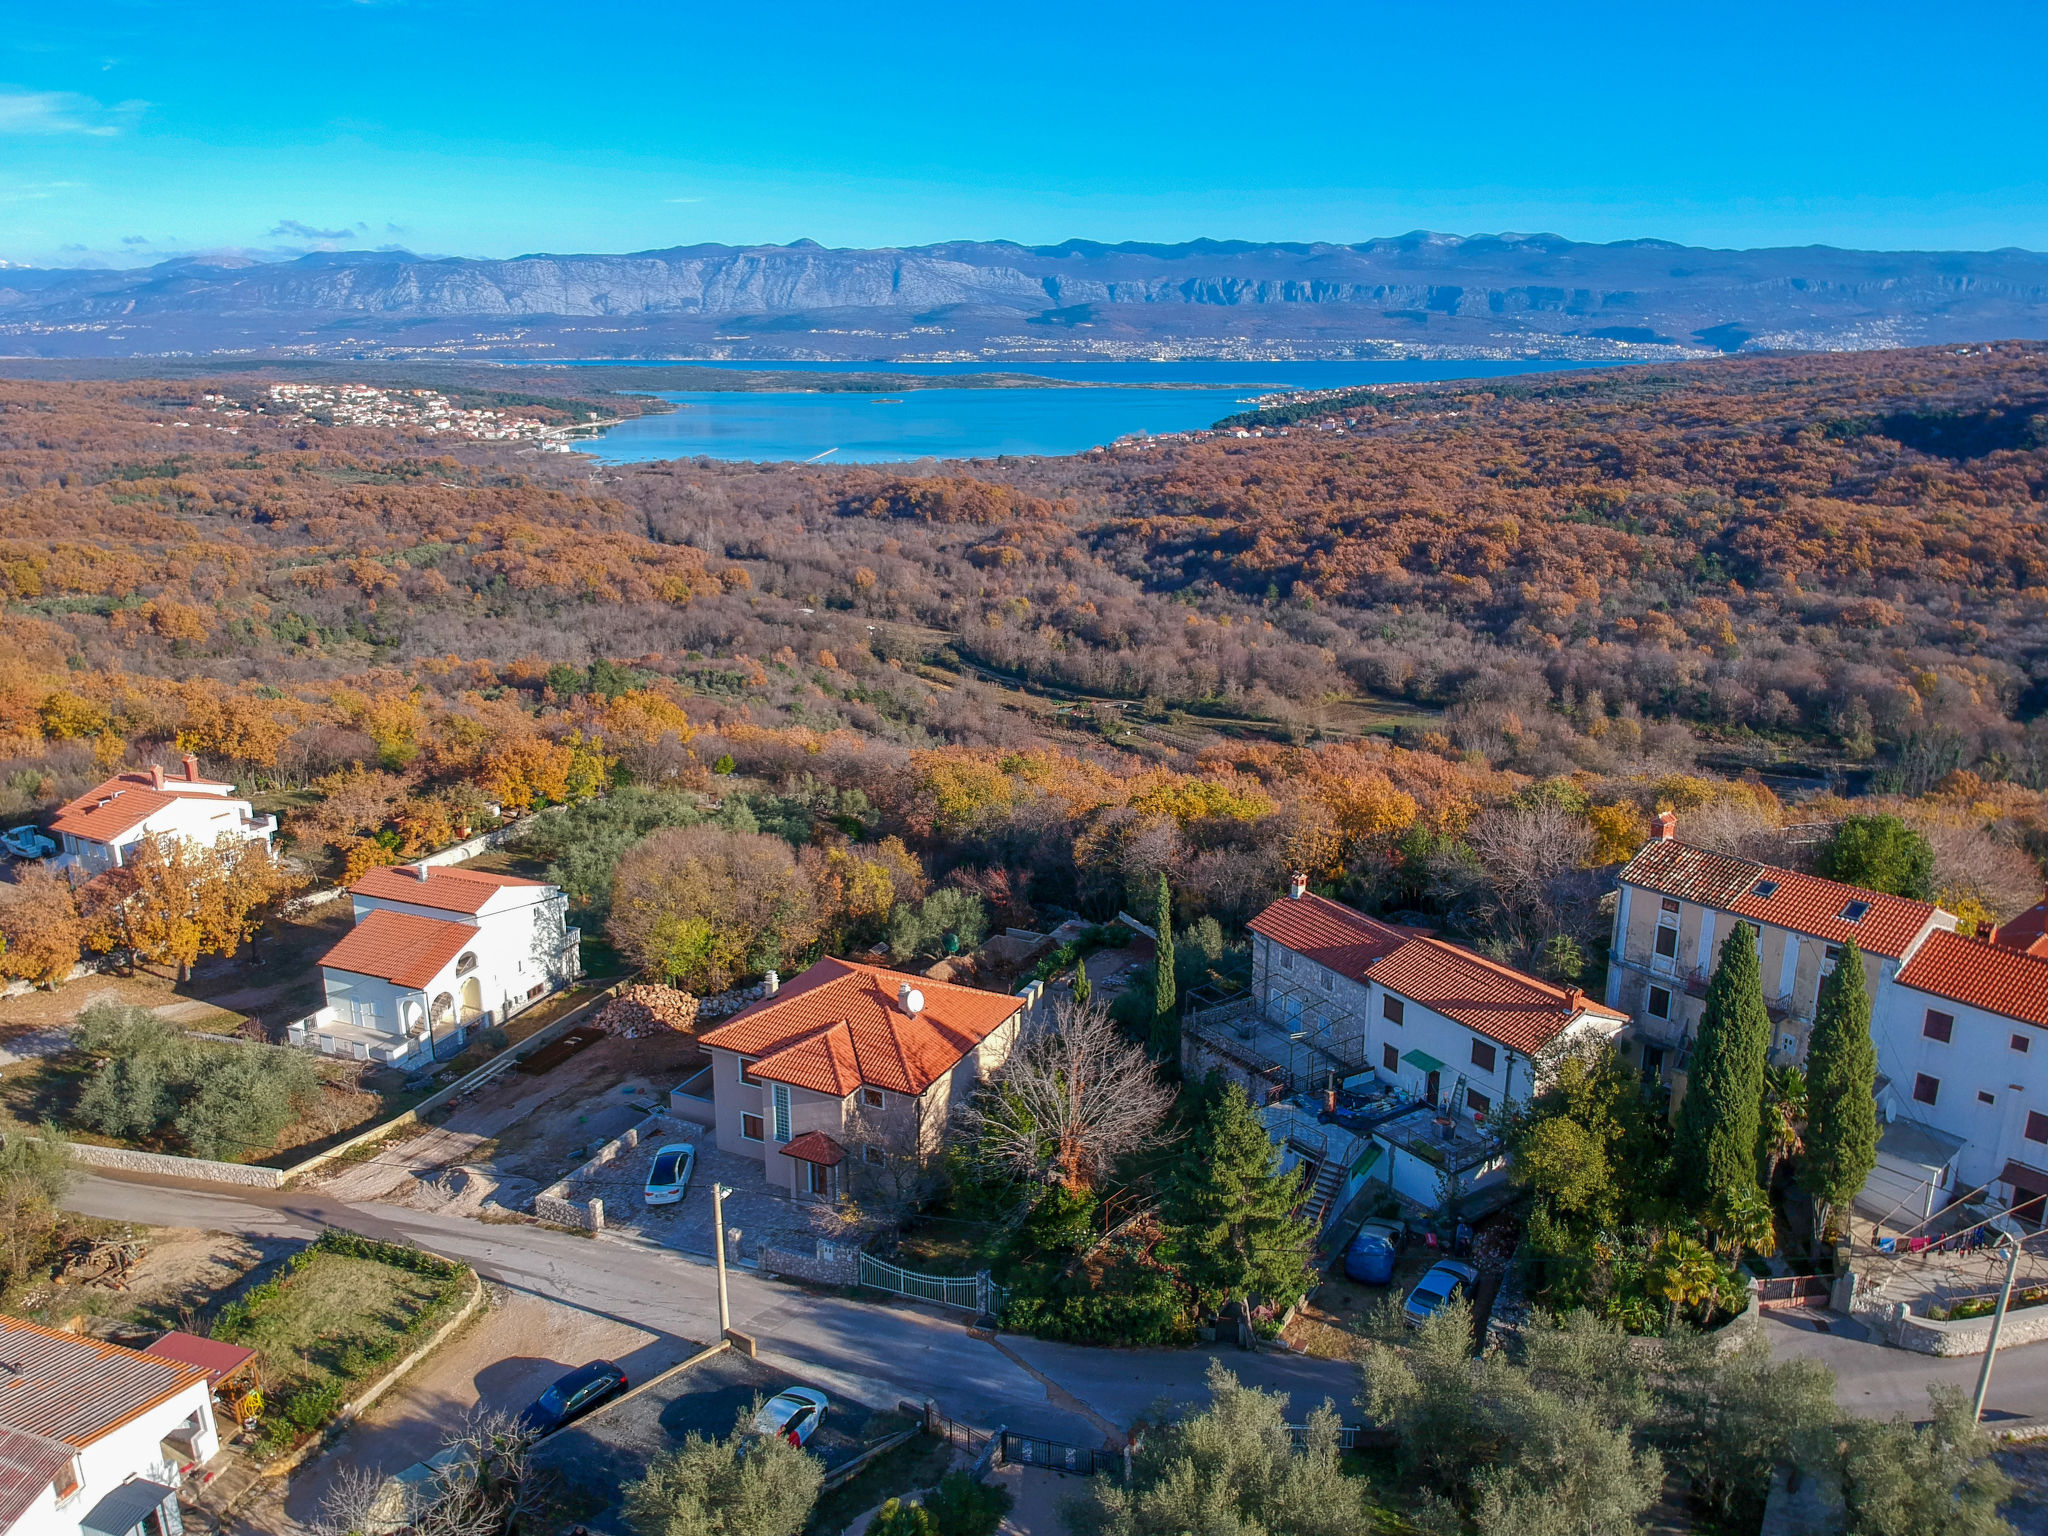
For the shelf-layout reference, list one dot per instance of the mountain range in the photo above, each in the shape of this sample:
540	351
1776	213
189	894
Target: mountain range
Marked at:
1417	295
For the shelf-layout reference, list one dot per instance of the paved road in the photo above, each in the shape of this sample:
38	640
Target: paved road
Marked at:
1876	1380
874	1354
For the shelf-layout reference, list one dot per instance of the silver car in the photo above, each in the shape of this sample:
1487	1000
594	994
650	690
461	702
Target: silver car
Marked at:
669	1179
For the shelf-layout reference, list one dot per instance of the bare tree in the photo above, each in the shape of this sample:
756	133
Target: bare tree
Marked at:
1070	1101
893	1157
486	1487
1534	858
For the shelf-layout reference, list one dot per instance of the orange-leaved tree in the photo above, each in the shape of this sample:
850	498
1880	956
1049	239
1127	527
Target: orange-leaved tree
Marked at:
174	899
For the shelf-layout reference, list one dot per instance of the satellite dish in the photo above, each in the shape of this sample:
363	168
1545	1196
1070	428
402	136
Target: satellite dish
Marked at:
911	999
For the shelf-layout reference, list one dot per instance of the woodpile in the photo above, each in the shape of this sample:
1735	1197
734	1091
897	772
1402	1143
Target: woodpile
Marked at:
645	1010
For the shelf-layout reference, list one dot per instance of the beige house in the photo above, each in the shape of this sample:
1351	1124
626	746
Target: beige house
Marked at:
851	1061
1678	904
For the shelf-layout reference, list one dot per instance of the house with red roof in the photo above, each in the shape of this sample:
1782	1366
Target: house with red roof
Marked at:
95	1439
438	951
98	831
851	1063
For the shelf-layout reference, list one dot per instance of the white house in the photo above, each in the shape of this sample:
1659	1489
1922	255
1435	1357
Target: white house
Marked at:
435	952
99	830
95	1438
1436	1038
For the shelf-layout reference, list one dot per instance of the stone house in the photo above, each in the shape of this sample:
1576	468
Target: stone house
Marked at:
851	1061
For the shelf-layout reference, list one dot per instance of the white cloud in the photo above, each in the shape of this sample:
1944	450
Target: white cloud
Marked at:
58	112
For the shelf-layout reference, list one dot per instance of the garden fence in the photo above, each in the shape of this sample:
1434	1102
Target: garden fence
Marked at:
976	1292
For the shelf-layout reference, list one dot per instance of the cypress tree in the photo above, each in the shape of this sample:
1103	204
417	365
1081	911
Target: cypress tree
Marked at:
1082	990
1841	1091
1718	1122
1165	1026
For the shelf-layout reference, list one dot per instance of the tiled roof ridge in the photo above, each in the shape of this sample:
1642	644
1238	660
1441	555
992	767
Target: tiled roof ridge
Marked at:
895	1038
2002	953
1561	995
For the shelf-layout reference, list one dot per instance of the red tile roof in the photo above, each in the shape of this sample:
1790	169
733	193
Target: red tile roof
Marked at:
1328	932
1998	980
839	1025
76	1389
1519	1011
126	800
218	1360
2028	931
1803	903
399	947
28	1464
446	887
816	1147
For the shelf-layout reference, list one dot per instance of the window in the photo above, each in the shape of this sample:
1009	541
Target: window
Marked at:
873	1098
1660	1002
780	1094
747	1070
1667	942
1391	1009
1668	905
2037	1125
1926	1089
465	962
1985	1098
1765	889
2022	1044
1483	1055
1479	1104
750	1128
1939	1026
1286	959
821	1179
1390	1058
1329	981
874	1156
1855	912
1828	959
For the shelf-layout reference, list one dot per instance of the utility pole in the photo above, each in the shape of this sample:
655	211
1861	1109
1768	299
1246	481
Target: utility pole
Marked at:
718	1194
2012	1268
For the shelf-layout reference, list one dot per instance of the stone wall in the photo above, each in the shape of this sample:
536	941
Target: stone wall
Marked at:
828	1264
587	1214
163	1164
1971	1336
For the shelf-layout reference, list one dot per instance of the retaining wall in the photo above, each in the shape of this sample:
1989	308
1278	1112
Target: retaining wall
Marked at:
587	1214
161	1163
828	1263
1969	1336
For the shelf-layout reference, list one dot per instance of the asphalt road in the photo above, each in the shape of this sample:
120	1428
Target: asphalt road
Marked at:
873	1354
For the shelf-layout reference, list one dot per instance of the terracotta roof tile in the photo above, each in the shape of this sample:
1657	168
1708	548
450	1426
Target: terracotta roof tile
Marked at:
1784	898
1519	1011
399	947
2004	981
857	1006
816	1147
126	800
2028	931
1328	932
76	1389
446	887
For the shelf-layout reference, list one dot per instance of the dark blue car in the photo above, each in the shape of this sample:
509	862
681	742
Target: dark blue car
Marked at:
587	1387
1370	1258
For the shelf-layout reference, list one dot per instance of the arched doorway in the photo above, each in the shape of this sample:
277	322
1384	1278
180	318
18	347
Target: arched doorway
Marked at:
440	1021
472	1002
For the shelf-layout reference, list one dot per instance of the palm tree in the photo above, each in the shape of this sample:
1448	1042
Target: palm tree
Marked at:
1743	1223
1685	1275
1784	1120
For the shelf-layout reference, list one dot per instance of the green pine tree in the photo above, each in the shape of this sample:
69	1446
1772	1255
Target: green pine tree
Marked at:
1165	1019
1082	991
1718	1122
1230	1207
1841	1091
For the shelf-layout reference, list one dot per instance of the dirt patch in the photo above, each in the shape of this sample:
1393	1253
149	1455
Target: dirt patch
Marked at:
182	1280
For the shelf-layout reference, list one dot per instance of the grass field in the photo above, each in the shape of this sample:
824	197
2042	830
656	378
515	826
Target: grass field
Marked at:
344	1310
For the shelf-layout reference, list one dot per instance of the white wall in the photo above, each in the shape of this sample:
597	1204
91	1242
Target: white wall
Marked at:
134	1450
1978	1058
194	818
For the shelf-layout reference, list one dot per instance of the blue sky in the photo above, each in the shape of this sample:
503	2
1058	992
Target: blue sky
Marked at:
135	129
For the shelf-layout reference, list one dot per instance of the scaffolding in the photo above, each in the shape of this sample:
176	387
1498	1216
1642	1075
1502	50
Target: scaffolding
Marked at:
1299	1038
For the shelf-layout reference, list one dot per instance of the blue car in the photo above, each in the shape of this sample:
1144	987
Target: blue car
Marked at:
1370	1258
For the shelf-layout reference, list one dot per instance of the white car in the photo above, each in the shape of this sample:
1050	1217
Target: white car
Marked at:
1447	1279
669	1179
794	1414
27	843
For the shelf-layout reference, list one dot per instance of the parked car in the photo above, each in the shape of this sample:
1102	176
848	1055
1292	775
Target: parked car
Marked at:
1370	1258
587	1387
669	1179
794	1414
1447	1280
27	843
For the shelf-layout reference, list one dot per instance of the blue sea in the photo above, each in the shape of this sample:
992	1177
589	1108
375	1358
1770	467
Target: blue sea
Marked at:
938	423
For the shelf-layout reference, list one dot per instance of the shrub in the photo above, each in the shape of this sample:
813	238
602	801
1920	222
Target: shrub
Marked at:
960	1506
946	922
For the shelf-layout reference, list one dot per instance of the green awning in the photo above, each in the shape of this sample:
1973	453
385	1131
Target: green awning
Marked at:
1424	1060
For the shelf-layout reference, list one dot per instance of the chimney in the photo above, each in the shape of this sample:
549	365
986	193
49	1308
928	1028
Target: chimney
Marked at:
1666	823
156	775
911	1000
1297	885
1574	999
191	769
419	871
770	984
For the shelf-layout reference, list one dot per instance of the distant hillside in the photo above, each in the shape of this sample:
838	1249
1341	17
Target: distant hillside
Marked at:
1417	295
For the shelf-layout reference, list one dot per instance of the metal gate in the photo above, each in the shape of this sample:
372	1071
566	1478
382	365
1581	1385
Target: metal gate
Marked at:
974	1293
1794	1291
1056	1456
